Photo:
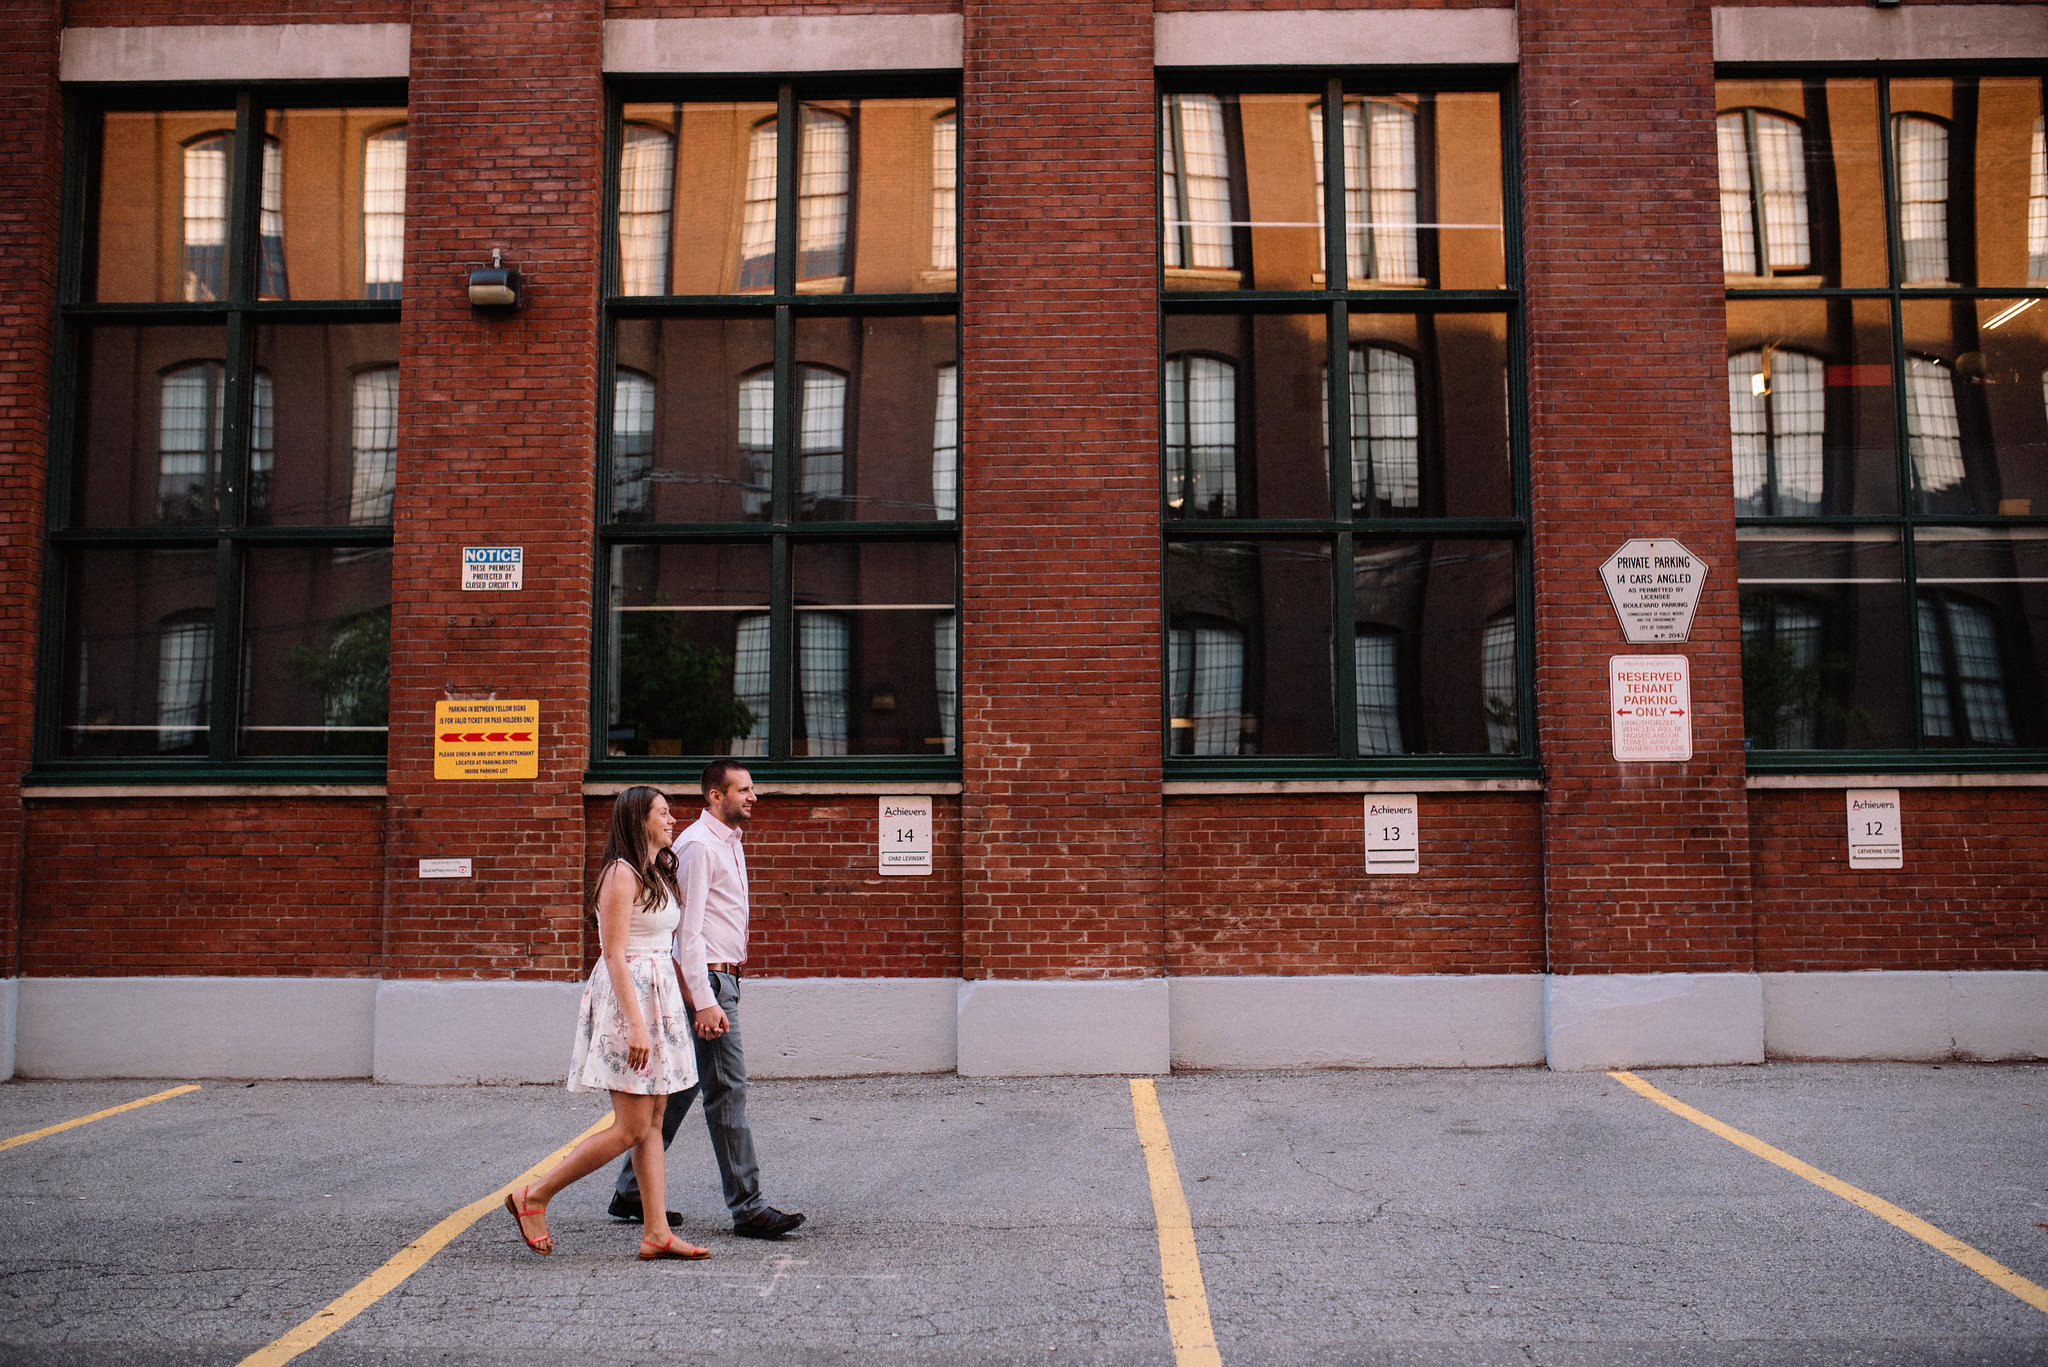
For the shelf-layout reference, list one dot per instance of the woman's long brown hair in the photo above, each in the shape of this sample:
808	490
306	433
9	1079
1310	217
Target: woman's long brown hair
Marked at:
625	844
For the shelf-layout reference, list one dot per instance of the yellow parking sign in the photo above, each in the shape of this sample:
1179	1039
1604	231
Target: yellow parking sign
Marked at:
487	740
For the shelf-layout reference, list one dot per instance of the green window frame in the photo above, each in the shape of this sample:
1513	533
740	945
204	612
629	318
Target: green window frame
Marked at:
224	531
1376	261
792	462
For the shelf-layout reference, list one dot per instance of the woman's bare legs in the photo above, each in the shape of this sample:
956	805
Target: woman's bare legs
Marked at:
650	1169
634	1119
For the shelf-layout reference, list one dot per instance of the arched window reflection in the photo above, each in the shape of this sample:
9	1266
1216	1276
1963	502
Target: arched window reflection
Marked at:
647	168
1764	227
1933	435
384	214
1777	420
1963	694
1380	191
1921	149
373	445
1194	169
824	205
945	192
1201	436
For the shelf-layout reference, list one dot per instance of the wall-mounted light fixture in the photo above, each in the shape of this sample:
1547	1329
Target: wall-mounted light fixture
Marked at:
495	286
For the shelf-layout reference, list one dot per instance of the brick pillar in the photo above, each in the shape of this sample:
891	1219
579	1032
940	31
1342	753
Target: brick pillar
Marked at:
31	127
1059	704
496	435
1647	865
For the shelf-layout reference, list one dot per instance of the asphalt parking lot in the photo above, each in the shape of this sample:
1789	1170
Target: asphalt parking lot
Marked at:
1427	1217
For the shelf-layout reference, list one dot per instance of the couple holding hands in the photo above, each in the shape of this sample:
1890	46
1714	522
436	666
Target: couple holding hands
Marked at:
657	1020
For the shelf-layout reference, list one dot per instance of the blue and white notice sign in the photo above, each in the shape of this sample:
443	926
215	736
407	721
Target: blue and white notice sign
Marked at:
493	568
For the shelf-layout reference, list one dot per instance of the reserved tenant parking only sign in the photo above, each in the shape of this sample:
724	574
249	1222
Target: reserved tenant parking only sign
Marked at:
1649	701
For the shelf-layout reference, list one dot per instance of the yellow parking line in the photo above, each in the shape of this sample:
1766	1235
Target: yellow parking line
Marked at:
45	1133
401	1265
1989	1269
1180	1268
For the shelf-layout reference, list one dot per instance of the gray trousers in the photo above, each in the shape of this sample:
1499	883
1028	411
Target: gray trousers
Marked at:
722	1077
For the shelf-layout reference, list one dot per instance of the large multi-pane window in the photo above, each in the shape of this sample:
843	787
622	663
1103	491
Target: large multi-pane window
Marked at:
780	481
1345	537
226	443
1888	407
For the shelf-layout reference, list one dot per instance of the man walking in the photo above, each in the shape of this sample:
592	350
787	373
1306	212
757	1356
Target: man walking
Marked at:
712	869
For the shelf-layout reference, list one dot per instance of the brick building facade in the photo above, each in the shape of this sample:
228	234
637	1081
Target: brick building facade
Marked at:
949	391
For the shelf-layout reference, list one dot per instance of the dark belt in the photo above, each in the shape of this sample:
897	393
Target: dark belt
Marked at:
731	969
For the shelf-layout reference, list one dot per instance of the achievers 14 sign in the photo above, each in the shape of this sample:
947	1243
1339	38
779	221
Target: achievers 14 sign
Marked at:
1655	586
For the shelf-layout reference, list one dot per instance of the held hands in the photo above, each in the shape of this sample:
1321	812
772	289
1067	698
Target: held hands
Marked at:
639	1044
711	1022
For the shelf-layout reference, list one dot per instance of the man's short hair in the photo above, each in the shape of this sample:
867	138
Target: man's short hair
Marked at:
718	773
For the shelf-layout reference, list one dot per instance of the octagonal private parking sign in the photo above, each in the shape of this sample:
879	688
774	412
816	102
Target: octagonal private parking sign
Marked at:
1654	584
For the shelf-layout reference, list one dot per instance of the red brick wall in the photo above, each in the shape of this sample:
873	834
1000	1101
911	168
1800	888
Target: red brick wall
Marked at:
1277	885
127	887
497	430
1973	893
1648	863
685	9
140	13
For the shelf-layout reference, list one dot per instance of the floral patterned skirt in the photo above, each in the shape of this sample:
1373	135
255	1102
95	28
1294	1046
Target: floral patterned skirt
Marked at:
598	1063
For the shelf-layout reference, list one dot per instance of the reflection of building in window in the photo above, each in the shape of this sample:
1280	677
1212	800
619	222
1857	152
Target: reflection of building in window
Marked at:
373	446
946	444
184	665
750	680
824	178
1194	169
632	442
1962	676
1921	145
2037	208
206	218
945	192
1386	429
757	442
1497	684
262	445
823	652
757	217
384	214
945	671
1376	652
1763	194
1201	435
647	169
1781	639
1379	191
821	434
1777	420
1932	434
1205	682
270	282
190	414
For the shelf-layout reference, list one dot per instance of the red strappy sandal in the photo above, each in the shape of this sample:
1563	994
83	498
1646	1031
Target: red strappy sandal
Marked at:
671	1247
546	1242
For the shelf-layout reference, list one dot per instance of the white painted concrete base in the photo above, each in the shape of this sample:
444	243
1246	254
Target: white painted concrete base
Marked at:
848	1027
1970	1016
1645	1020
10	997
1036	1029
471	1032
1377	1021
195	1027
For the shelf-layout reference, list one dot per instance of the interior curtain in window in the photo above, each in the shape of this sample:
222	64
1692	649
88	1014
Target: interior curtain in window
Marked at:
1195	179
1497	685
946	444
1379	190
757	442
1763	174
824	649
821	433
632	442
262	444
270	281
184	667
384	214
647	168
750	680
1933	435
1777	419
373	446
1386	428
1376	654
1201	435
2037	208
822	199
945	192
1205	669
1962	677
206	219
189	417
757	215
1921	146
946	677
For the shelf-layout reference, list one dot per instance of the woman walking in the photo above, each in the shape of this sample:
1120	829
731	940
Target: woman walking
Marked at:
633	1035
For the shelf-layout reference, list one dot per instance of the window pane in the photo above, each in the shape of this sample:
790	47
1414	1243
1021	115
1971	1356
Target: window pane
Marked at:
1976	427
152	408
334	395
945	180
1423	191
1802	187
1970	171
1249	664
1433	648
162	219
876	420
689	642
1241	394
647	172
903	198
721	235
1812	414
1429	415
316	651
709	453
1983	634
138	653
1823	639
1201	187
870	623
384	213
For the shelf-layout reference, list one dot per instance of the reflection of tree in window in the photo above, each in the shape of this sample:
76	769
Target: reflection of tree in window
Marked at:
184	668
632	443
1962	673
823	653
351	673
1386	430
1376	652
945	670
1201	436
1763	194
1194	168
1921	145
1781	684
1205	681
384	214
945	192
1379	191
750	680
824	179
1497	684
647	168
946	444
1777	420
1933	435
373	446
2037	208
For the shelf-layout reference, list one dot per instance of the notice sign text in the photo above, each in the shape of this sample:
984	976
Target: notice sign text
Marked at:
493	568
1654	584
1391	843
444	868
1875	838
1649	702
904	837
487	740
